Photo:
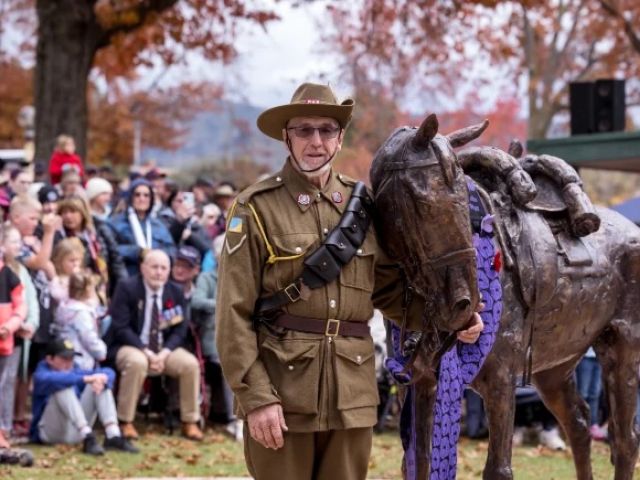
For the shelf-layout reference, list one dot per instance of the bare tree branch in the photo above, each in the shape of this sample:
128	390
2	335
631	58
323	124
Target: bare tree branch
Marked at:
614	11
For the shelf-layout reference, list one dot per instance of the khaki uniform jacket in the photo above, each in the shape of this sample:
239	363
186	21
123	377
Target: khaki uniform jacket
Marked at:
323	383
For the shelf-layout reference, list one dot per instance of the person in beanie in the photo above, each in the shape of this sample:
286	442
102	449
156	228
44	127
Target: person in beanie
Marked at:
292	339
99	195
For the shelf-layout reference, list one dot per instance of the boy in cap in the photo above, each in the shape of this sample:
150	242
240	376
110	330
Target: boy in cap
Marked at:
67	400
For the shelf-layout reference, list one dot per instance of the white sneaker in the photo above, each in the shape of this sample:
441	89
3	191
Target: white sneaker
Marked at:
551	439
518	436
235	429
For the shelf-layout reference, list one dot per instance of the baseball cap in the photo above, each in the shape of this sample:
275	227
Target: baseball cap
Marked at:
48	194
61	348
189	255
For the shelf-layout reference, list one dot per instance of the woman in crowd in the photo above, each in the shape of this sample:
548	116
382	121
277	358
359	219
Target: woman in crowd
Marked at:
99	194
179	217
101	250
136	230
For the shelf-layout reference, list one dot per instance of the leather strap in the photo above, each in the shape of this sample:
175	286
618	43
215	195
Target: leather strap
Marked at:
324	264
289	294
329	327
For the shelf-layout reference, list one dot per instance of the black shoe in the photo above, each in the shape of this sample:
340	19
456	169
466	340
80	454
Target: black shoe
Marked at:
120	443
91	446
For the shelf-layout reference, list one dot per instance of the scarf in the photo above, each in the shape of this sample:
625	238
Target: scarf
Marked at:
141	240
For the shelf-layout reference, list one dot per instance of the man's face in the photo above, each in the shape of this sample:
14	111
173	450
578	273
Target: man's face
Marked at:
155	269
59	364
71	186
313	141
49	207
20	185
183	272
26	221
141	199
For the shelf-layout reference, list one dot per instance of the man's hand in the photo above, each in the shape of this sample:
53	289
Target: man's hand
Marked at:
473	331
51	222
161	359
4	333
97	381
266	425
153	361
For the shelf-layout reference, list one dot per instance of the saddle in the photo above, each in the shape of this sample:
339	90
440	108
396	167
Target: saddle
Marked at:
548	237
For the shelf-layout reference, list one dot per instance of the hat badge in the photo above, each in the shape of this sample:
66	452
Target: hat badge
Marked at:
311	100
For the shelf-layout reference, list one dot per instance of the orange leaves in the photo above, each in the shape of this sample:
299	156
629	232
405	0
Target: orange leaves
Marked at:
15	92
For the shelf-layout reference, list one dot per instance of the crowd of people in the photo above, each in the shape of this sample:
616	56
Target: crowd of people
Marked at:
108	303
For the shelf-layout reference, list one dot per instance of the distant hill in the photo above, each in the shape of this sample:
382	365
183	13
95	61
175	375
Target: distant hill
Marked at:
228	132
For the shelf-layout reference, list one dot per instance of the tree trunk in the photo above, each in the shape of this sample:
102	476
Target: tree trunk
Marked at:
68	36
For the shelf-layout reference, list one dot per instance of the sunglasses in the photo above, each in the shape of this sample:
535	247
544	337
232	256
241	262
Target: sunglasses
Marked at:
142	194
326	132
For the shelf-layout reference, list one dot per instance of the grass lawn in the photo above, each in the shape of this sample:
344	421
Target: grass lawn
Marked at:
165	456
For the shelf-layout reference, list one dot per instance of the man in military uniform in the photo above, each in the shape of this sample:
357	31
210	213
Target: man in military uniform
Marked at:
294	298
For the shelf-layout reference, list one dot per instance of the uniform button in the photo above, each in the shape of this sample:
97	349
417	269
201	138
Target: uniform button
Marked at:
340	176
278	179
298	250
360	251
318	195
325	230
291	367
359	359
332	303
330	340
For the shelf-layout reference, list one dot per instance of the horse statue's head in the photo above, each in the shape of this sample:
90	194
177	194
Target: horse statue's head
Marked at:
422	204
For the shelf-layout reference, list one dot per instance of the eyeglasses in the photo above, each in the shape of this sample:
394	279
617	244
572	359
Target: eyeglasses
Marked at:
326	132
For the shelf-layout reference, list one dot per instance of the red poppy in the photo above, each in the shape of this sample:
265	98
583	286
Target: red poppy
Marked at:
169	304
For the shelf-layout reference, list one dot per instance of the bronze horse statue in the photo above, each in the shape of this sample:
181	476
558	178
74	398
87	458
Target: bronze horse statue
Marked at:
570	280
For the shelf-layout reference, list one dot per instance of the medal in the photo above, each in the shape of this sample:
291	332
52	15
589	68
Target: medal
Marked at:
304	199
336	197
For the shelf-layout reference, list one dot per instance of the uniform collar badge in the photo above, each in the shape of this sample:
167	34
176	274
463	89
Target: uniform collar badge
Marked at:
304	199
336	197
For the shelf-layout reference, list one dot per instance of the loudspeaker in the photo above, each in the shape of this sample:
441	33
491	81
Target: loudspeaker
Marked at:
609	106
597	106
581	105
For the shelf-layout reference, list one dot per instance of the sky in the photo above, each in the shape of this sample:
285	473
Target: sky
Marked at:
272	63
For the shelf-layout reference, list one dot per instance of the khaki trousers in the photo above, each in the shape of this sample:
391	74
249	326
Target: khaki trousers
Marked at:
330	455
133	366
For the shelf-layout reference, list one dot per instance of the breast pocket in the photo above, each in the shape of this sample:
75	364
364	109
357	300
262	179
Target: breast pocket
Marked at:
294	371
357	281
355	372
292	245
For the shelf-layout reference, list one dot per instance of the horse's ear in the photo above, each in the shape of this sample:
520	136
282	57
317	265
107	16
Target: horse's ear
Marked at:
515	148
426	132
465	135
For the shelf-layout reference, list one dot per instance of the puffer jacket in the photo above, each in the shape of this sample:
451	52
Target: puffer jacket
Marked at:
77	321
123	233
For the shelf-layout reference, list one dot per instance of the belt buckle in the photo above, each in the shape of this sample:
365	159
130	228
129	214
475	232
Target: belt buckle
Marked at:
295	296
328	327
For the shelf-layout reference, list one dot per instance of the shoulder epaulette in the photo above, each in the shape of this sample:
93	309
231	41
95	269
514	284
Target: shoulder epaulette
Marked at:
270	183
348	181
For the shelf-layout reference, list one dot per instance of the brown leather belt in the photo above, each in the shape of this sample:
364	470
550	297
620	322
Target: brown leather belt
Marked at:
330	327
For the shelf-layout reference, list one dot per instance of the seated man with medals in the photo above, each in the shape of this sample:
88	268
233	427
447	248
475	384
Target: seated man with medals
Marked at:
146	337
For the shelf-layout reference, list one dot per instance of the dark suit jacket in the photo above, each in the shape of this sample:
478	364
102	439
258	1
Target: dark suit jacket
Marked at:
127	316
